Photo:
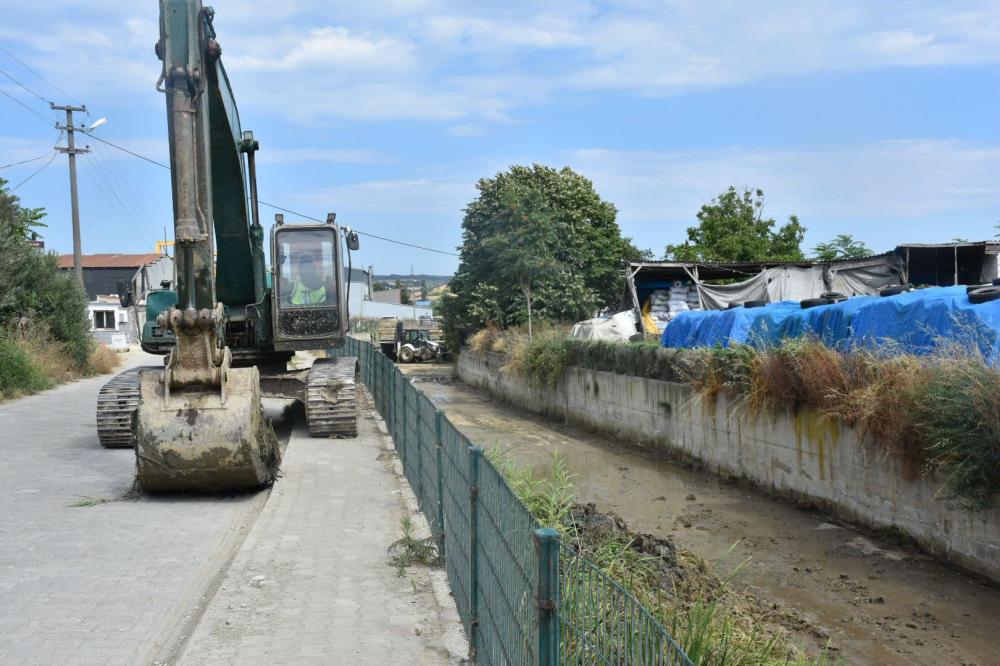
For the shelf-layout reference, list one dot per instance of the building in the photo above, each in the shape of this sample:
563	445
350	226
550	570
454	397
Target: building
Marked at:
364	302
106	277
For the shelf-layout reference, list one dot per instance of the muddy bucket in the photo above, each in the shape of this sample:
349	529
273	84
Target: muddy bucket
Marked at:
204	440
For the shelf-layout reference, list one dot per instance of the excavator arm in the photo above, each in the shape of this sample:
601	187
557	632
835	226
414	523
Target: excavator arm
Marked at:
199	424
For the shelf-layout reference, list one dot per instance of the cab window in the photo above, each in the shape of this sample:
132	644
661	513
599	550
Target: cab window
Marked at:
306	268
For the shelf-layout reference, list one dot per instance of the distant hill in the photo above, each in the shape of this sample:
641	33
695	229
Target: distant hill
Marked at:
432	280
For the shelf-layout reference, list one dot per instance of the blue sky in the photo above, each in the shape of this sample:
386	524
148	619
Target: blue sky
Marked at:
874	119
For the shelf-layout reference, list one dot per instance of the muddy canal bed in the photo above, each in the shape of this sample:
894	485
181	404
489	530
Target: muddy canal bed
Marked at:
875	600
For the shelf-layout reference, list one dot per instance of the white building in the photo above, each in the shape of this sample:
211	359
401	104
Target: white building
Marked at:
362	304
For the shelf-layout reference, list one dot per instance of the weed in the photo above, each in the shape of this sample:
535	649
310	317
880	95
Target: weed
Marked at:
705	619
409	551
19	369
102	360
938	414
86	501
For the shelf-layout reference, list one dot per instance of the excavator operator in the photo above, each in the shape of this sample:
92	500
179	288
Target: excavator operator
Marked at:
308	282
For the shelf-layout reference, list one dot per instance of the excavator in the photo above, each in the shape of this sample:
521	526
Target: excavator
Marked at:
228	328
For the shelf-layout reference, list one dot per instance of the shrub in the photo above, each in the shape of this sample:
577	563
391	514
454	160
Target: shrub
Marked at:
958	418
19	373
102	360
33	287
938	413
545	360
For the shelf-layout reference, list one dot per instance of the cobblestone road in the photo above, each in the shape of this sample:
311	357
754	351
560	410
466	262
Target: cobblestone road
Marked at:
139	580
312	583
102	584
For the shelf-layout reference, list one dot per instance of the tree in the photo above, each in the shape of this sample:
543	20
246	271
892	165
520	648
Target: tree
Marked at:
733	228
423	290
404	296
577	246
33	287
523	245
842	247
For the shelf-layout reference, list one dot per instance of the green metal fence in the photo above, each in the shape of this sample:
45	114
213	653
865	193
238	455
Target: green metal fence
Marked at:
523	597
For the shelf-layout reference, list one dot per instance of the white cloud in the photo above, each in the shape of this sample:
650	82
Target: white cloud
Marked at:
889	181
889	178
335	47
446	61
445	196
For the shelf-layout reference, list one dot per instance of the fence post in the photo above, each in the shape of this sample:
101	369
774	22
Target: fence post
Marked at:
475	455
419	485
402	433
547	550
439	451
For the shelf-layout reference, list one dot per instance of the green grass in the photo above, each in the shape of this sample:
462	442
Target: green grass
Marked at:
19	372
698	615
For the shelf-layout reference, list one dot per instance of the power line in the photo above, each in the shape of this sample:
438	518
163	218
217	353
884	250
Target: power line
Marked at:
25	106
361	233
44	166
265	203
139	231
29	90
50	84
33	159
129	193
133	154
285	210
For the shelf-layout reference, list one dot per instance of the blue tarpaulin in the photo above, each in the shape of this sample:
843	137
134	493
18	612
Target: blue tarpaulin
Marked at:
724	327
916	322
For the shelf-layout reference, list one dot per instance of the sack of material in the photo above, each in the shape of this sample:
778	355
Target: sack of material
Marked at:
620	327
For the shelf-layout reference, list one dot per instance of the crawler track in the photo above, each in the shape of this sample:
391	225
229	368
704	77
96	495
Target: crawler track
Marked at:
116	405
331	398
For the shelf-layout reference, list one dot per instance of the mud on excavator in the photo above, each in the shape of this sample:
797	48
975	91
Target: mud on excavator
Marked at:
227	330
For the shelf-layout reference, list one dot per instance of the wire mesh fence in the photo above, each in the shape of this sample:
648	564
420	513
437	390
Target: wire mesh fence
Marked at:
523	597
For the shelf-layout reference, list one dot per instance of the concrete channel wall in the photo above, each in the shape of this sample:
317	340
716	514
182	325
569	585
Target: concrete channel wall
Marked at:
799	455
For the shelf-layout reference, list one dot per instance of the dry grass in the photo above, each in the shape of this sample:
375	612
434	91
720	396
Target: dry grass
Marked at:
32	360
102	360
482	341
938	414
48	355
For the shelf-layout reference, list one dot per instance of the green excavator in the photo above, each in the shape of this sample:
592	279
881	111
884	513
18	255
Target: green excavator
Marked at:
229	328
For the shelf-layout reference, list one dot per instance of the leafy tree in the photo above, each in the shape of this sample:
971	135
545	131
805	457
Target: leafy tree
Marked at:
842	247
404	296
550	223
31	284
732	227
524	243
423	290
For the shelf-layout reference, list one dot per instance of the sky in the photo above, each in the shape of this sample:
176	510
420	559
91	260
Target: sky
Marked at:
876	119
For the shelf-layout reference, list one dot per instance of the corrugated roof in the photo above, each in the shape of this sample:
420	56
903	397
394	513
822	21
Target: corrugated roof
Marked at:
110	260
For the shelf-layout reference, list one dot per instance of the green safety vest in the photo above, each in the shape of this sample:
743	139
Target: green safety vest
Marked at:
302	295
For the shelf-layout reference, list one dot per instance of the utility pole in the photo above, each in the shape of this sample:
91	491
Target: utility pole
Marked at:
72	151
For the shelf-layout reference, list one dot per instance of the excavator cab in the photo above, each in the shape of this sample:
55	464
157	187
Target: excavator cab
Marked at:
307	298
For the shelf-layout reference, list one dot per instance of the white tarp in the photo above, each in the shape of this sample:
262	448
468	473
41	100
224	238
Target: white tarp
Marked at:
619	327
795	283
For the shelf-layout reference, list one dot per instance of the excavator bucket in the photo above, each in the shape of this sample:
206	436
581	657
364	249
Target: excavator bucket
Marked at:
204	439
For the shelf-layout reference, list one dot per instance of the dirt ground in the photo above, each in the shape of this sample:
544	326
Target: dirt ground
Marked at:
873	600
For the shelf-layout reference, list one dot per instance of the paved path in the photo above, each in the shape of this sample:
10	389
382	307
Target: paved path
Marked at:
102	584
312	582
